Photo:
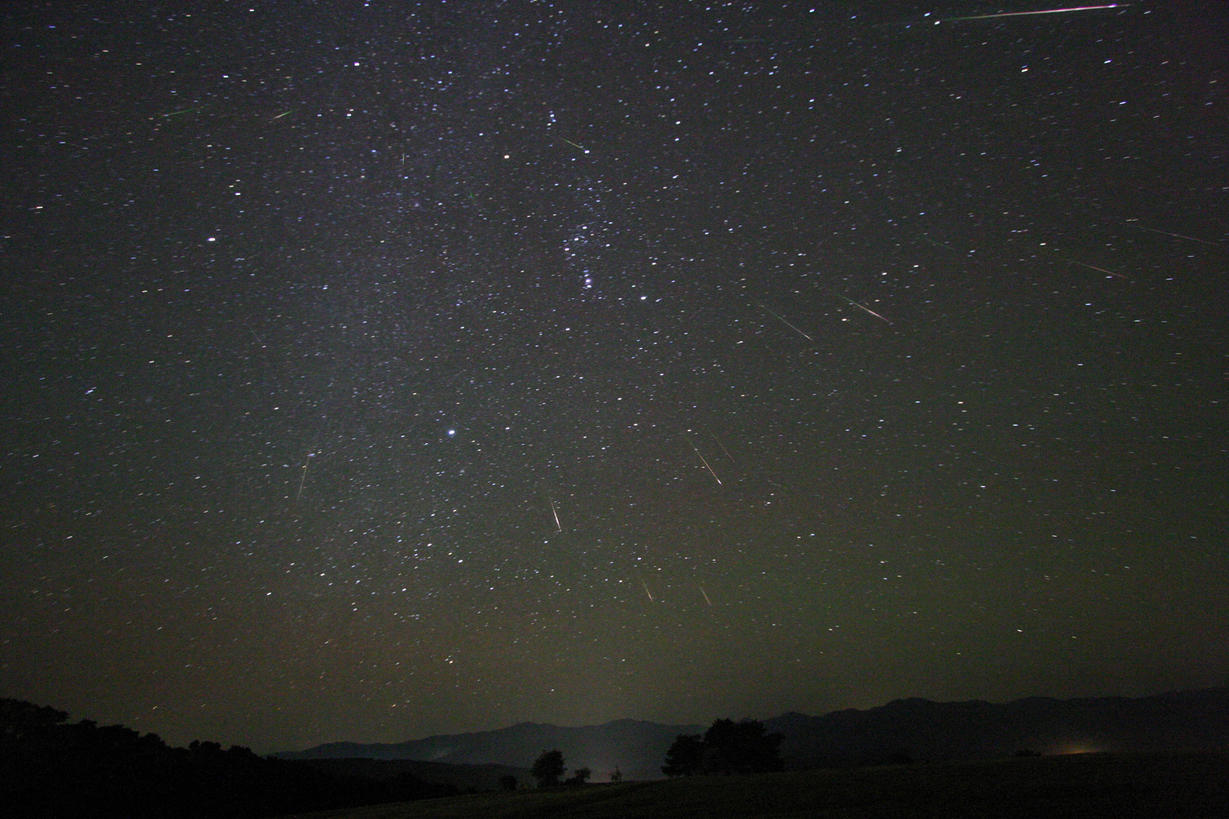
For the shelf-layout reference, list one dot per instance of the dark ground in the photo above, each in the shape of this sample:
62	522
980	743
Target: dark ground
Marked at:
1117	786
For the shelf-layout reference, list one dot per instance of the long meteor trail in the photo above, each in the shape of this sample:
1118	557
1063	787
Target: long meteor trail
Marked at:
1177	235
1066	10
786	323
863	307
704	461
1100	269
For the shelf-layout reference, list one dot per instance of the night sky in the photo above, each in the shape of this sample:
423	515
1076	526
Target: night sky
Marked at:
380	369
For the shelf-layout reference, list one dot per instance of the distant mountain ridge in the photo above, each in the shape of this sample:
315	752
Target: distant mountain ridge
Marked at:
923	730
914	729
635	747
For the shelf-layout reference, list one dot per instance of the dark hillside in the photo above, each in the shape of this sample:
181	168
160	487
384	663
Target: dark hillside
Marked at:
52	768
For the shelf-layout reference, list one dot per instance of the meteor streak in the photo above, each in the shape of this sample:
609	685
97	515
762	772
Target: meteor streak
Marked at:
943	245
723	449
646	590
705	462
786	323
181	112
1100	269
303	477
555	513
1066	10
1177	235
706	600
865	308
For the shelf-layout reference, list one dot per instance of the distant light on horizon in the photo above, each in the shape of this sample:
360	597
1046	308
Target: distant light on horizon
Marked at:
1077	747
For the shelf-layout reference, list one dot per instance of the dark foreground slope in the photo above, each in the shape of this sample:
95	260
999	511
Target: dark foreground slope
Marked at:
1090	786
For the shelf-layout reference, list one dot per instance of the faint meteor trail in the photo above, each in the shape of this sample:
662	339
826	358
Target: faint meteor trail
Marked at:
555	513
1178	235
580	148
181	112
1066	10
706	600
786	323
943	245
865	308
703	461
303	477
1100	269
646	590
723	449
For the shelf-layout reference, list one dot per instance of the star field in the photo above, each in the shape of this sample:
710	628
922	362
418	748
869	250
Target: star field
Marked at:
383	369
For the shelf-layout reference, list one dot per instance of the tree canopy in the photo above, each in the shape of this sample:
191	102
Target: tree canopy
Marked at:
685	756
549	769
727	747
50	767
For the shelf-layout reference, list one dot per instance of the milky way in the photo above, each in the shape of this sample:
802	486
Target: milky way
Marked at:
375	370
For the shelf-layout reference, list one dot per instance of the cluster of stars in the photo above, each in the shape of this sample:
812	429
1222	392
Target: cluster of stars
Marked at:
626	353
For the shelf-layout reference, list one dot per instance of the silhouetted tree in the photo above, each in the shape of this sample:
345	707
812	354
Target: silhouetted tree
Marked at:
727	747
740	747
507	782
579	777
19	718
616	775
548	769
684	756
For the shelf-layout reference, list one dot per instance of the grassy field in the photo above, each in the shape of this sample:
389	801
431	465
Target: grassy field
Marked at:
1087	786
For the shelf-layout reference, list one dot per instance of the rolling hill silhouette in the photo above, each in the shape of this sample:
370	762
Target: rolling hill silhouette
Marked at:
914	729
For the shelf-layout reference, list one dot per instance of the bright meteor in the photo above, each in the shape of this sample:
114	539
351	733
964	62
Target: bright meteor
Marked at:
787	324
704	461
1038	12
866	309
